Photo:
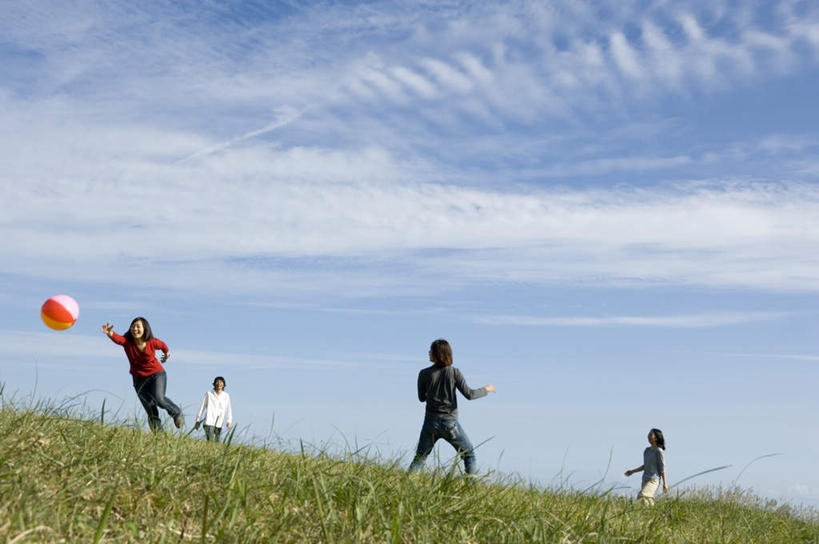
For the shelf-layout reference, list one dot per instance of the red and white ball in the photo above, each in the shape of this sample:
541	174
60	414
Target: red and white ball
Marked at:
60	312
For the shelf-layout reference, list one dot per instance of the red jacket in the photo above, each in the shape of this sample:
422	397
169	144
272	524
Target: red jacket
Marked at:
143	363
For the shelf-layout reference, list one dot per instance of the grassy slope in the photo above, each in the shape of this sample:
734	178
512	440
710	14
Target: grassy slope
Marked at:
68	480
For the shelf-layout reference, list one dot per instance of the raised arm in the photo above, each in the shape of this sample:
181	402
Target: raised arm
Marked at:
460	383
108	330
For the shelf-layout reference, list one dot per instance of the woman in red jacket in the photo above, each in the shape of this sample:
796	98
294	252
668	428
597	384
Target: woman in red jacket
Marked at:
149	375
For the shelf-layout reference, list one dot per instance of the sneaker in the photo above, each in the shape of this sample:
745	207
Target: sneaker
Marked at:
178	420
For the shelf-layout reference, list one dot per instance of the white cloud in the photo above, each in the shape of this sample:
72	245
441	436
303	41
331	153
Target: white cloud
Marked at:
803	490
625	56
263	204
689	321
283	117
787	356
608	165
52	344
34	346
475	67
446	75
384	84
509	57
784	142
808	32
665	61
289	139
692	28
416	82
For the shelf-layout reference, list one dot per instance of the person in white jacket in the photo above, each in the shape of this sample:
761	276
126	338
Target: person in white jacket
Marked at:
215	410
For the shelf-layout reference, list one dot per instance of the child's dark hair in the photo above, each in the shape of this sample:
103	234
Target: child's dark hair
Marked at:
658	436
441	353
219	379
146	328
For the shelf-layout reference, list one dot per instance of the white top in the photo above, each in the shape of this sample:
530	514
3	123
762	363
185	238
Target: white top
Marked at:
216	409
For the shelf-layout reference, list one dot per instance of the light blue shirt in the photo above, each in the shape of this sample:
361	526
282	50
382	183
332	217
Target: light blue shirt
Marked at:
653	463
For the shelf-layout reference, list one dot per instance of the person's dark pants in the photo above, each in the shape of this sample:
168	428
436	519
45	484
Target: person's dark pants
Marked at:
212	433
151	393
450	430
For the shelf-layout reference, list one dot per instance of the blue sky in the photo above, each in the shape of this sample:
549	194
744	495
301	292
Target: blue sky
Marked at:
611	210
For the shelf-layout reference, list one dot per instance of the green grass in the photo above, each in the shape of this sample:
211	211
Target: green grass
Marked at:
65	479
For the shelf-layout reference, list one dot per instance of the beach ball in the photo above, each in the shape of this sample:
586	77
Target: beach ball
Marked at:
60	312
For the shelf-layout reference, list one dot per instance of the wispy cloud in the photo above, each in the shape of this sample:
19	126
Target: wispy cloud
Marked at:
786	356
34	347
803	490
294	57
367	136
283	118
689	321
359	209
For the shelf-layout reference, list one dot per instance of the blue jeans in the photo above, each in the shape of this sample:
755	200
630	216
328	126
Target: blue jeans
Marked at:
212	433
151	393
450	430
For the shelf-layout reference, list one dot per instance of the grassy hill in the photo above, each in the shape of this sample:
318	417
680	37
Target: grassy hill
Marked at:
64	479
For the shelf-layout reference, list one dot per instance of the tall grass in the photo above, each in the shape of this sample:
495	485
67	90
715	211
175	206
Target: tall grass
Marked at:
92	479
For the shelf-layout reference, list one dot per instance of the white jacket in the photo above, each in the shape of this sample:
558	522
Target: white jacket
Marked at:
215	409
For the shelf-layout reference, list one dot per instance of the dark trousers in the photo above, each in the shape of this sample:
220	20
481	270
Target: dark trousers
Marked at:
451	431
151	393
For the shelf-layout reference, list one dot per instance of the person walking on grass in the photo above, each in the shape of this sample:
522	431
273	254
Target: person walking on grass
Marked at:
653	467
215	411
436	387
148	373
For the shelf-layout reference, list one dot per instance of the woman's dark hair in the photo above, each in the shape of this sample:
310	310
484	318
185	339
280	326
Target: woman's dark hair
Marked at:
658	436
219	379
146	327
441	353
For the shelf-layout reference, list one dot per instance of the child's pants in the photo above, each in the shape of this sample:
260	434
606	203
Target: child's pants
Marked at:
647	492
212	432
151	393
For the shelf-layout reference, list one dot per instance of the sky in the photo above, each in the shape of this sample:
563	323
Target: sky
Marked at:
610	210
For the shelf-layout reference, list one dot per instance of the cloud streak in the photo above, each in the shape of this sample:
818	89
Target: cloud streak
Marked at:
786	356
688	321
442	151
266	208
25	346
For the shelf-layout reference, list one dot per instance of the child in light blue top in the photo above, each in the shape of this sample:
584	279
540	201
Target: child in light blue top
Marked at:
653	467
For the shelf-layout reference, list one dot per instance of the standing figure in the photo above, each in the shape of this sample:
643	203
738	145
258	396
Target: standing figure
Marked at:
215	410
149	376
436	387
653	467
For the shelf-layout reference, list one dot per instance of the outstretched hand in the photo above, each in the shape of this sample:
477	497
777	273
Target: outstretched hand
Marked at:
490	388
108	329
629	472
165	357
